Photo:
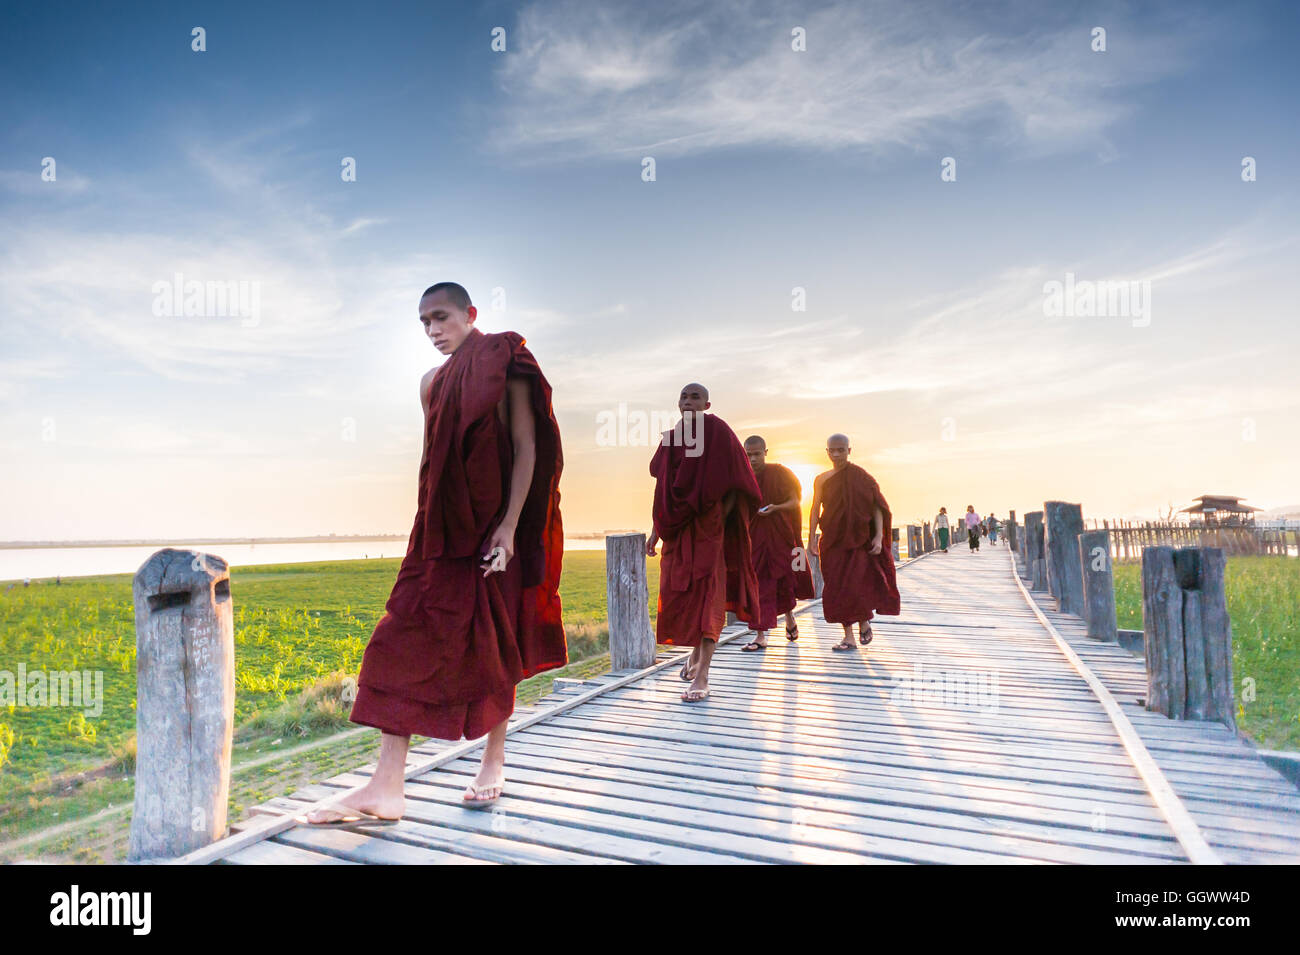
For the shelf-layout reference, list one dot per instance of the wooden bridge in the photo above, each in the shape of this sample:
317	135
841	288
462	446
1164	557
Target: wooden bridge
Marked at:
963	734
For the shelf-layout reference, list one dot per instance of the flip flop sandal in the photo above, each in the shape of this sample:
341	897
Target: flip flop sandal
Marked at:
870	636
792	635
682	673
843	646
483	803
687	698
753	645
352	819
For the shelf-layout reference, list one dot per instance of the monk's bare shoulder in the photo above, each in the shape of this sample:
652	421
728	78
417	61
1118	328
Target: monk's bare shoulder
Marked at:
821	478
424	387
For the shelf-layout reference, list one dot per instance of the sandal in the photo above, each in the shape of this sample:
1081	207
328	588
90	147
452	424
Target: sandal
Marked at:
754	645
483	803
843	646
792	635
870	636
352	818
688	698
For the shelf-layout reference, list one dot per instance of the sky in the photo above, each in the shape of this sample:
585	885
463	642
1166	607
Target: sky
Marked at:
856	216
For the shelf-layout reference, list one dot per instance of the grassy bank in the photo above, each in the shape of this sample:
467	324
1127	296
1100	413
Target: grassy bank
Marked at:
1264	606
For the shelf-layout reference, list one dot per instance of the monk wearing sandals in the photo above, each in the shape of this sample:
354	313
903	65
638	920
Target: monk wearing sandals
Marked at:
705	495
780	562
475	608
857	558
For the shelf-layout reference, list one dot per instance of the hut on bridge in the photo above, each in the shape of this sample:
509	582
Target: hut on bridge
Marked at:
1219	510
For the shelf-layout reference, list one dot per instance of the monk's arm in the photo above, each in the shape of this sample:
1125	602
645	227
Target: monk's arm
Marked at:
524	435
880	530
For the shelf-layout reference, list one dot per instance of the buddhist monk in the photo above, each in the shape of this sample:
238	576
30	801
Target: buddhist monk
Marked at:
855	548
705	495
475	608
776	532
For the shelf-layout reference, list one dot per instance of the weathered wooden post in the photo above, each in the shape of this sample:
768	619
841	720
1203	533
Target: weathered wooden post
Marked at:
894	543
1064	523
927	543
1034	562
185	703
1098	586
627	596
1012	536
1188	634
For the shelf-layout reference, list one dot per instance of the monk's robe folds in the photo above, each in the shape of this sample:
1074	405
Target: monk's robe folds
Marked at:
782	580
855	582
444	659
706	564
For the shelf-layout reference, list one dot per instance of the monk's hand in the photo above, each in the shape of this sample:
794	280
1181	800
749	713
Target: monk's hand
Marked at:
650	547
500	548
875	545
765	509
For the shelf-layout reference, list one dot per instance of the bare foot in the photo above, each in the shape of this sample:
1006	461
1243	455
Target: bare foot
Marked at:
489	781
698	690
366	800
688	668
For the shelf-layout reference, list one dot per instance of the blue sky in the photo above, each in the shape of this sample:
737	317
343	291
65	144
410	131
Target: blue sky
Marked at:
923	338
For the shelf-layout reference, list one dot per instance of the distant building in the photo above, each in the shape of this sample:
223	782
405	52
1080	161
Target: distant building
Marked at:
1218	510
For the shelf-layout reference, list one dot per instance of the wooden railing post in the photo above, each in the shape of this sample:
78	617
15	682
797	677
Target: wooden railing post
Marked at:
1064	523
631	638
927	544
1098	586
1035	564
185	703
1012	537
1188	634
894	541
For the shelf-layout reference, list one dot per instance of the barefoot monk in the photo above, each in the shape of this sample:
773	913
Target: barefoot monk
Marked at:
855	547
475	607
780	562
705	493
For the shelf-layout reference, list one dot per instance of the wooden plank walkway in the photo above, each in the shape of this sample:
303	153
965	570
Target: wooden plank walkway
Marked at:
805	755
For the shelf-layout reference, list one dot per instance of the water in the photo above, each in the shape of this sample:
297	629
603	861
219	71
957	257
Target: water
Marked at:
47	562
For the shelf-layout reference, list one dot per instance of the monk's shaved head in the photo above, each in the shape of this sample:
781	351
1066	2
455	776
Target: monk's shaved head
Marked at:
456	294
755	441
837	449
693	399
696	386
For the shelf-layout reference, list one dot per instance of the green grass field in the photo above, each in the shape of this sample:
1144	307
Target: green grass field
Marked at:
1264	606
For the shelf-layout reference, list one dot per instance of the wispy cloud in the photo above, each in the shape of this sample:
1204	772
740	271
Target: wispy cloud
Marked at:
684	78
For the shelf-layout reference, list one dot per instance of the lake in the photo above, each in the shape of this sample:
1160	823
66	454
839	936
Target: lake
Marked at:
41	562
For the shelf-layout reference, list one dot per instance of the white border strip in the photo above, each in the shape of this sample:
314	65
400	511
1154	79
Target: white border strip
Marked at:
1167	801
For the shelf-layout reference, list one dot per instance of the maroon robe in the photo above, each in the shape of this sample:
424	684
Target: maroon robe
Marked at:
855	582
705	567
444	659
775	536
